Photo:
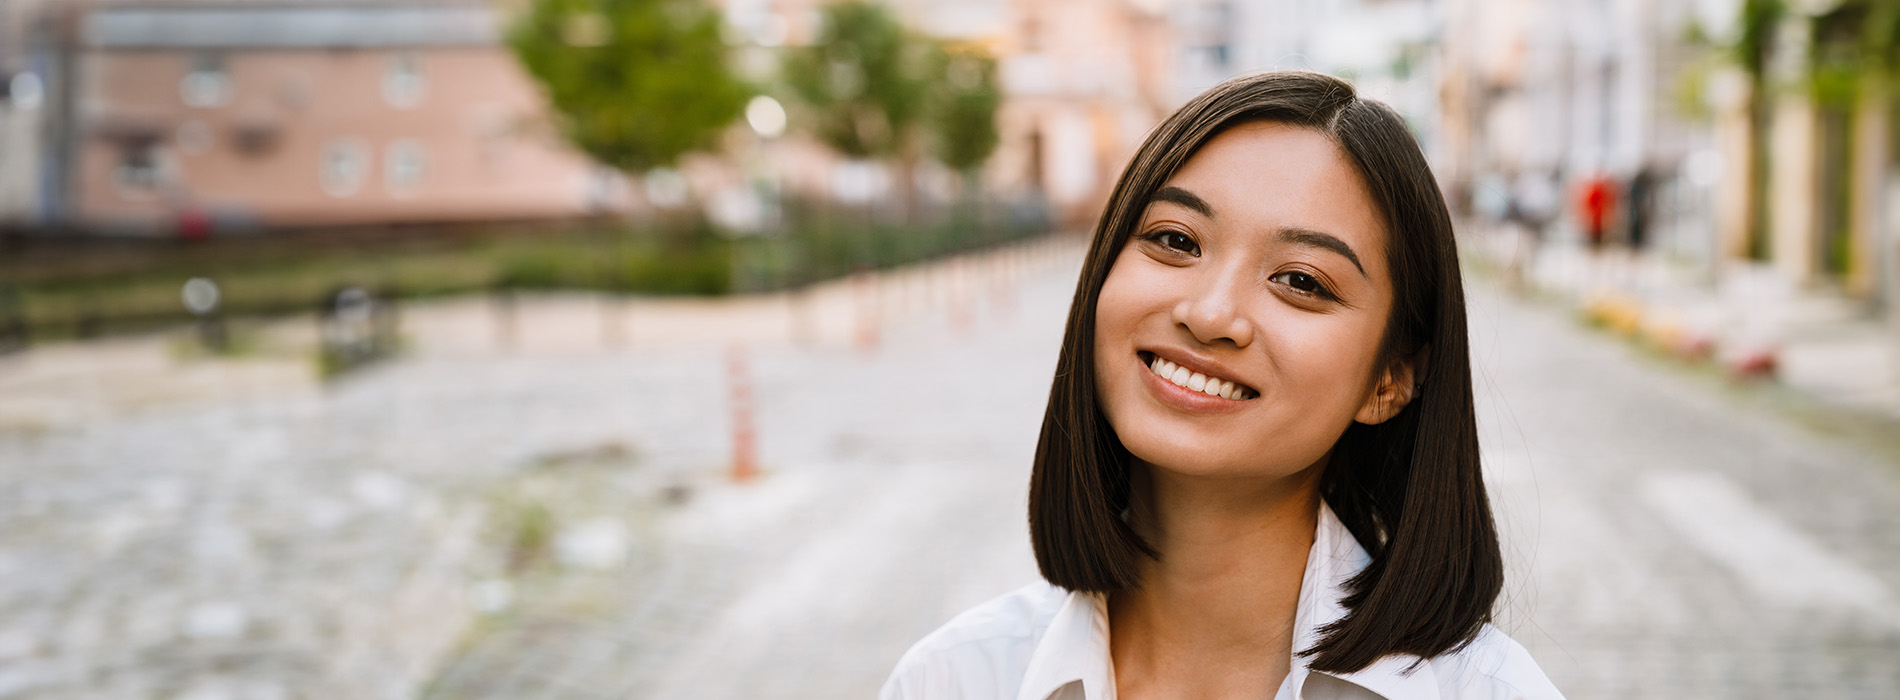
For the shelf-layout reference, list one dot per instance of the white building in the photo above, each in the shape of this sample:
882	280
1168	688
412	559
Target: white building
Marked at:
1382	46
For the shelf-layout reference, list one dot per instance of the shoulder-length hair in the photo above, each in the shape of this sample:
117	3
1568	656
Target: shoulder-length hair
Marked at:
1409	489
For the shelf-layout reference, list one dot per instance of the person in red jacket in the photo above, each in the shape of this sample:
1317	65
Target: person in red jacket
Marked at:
1596	199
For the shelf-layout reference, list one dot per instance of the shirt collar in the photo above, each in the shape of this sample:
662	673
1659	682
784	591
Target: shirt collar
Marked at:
1075	646
1073	649
1335	557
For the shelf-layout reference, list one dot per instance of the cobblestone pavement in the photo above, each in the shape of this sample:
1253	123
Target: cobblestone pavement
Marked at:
1672	536
543	514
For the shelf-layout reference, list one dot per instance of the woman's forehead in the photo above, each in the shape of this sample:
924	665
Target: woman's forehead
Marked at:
1269	176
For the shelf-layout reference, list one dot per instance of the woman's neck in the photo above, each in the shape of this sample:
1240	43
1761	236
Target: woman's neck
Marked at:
1214	614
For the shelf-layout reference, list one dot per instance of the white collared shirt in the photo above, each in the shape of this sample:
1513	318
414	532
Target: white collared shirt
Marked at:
1043	643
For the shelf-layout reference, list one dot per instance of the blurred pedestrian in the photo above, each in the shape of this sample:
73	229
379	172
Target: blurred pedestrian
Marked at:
1641	192
1533	206
1263	374
1595	200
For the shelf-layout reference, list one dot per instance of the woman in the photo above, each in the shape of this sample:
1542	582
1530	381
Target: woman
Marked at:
1258	473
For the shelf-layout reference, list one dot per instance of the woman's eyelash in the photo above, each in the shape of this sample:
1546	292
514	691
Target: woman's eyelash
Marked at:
1303	283
1175	241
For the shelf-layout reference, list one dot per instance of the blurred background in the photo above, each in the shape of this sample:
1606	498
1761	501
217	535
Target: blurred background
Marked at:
695	348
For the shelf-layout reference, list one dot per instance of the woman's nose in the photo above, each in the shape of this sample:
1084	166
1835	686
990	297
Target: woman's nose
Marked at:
1212	313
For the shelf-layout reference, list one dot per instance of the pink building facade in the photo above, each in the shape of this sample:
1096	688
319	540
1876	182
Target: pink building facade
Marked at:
199	118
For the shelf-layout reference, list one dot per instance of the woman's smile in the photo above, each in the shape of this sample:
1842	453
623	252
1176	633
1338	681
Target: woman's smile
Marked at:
1190	385
1209	384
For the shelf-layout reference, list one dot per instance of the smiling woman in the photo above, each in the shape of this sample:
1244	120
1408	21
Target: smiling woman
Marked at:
1258	474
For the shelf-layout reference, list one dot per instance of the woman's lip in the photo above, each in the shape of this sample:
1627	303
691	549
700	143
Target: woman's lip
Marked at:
1193	364
1183	398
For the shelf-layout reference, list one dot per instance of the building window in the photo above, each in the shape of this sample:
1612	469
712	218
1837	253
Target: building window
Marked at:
137	172
207	84
404	83
404	165
345	165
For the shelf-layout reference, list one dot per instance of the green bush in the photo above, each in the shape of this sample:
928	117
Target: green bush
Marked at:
701	266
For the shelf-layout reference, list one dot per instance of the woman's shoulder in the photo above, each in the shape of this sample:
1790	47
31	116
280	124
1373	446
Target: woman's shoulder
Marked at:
1493	665
982	652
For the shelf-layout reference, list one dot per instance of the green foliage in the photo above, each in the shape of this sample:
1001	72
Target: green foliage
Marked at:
1836	56
634	83
871	88
1880	36
862	80
1689	92
690	260
696	261
292	273
1854	40
545	268
964	107
1761	20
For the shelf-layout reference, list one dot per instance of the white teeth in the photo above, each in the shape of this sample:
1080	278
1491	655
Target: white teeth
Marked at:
1195	381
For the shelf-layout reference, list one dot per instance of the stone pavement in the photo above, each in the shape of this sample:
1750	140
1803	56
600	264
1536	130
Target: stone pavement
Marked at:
174	525
544	512
1674	537
1748	319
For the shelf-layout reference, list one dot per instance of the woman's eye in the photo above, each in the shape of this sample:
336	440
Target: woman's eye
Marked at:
1177	241
1304	283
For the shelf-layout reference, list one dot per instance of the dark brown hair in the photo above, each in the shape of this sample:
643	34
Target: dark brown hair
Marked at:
1409	489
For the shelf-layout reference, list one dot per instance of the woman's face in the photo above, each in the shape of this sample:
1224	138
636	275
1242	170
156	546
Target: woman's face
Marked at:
1260	264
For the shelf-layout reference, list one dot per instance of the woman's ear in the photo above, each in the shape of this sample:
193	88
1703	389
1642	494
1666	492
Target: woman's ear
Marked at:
1398	385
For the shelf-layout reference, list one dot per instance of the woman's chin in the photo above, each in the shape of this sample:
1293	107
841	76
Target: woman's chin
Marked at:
1204	461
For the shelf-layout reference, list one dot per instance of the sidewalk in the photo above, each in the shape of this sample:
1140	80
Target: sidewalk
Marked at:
72	384
181	525
1750	322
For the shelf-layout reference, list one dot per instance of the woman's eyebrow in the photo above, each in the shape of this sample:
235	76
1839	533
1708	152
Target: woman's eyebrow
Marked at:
1321	239
1184	198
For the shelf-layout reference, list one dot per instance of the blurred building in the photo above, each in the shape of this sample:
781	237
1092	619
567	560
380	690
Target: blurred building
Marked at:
1083	82
1567	90
1384	46
1817	157
163	117
182	117
1786	167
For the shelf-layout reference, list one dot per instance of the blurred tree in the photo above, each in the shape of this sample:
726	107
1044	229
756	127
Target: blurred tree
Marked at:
862	79
634	83
876	90
1761	21
964	107
1853	54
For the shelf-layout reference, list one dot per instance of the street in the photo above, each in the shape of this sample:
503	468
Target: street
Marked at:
538	513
